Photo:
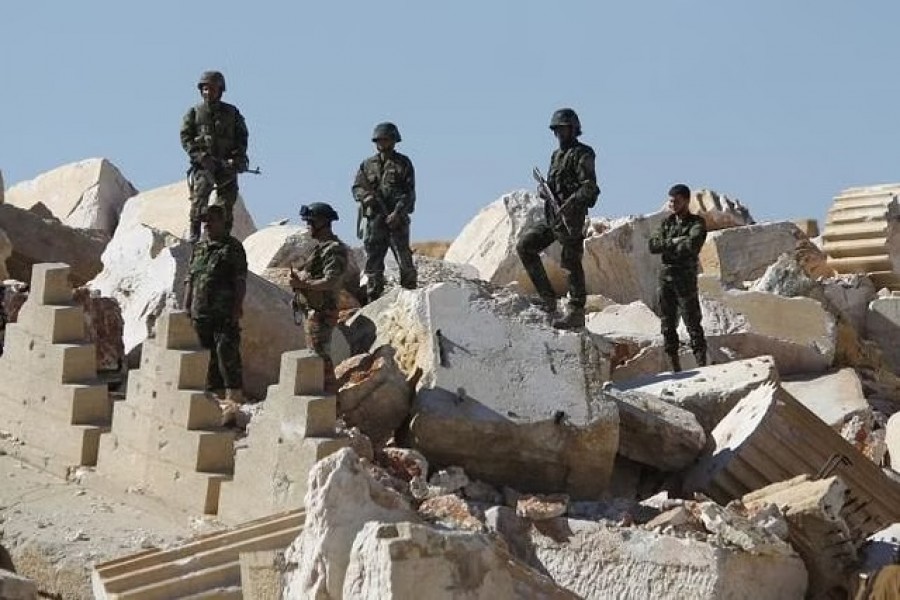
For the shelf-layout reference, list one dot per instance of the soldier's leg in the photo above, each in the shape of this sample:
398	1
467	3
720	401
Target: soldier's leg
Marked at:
376	244
206	333
668	318
399	241
226	195
689	307
572	252
202	184
319	326
228	354
535	240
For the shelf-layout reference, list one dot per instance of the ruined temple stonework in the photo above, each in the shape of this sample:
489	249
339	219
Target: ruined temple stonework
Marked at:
50	399
166	440
296	429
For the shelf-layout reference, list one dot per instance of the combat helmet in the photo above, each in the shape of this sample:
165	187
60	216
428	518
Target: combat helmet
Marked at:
566	116
386	130
214	77
318	210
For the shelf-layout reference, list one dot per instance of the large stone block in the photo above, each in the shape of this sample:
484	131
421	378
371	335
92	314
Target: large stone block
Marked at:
497	381
718	210
278	246
741	254
88	194
834	397
883	327
5	252
892	438
16	587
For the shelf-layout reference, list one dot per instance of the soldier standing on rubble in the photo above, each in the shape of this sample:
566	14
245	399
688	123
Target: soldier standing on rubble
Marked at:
679	239
214	135
214	297
317	285
573	181
385	188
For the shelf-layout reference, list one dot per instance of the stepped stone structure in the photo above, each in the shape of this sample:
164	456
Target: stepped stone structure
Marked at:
862	233
51	399
297	429
165	438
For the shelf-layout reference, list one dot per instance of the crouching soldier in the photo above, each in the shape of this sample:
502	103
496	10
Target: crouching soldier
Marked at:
318	284
679	240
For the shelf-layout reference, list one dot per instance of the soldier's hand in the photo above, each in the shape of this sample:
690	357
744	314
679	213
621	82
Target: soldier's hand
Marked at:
299	279
542	193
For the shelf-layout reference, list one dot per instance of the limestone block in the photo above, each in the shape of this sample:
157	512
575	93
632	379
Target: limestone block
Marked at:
633	322
654	432
488	242
16	587
261	575
88	194
718	210
296	429
850	296
403	560
813	509
709	393
167	209
742	254
38	240
883	327
834	397
5	253
893	441
495	382
809	227
769	436
597	562
342	497
278	246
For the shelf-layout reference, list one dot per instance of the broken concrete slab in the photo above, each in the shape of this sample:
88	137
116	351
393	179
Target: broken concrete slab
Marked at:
88	194
405	560
718	210
834	397
769	436
634	323
883	327
814	512
167	209
296	429
654	432
708	392
38	240
498	381
741	254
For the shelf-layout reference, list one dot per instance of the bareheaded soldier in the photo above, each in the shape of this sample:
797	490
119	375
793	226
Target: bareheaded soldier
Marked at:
385	188
214	135
573	181
320	282
214	297
679	239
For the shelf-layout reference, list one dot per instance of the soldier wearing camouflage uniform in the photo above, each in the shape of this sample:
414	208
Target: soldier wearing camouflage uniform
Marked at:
214	135
385	188
317	286
214	297
574	182
679	239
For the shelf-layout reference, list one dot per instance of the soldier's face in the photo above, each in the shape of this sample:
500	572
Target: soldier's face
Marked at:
316	227
563	133
210	92
215	227
384	144
678	204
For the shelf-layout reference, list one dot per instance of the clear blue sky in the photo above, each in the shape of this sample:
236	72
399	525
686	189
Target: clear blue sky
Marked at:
779	103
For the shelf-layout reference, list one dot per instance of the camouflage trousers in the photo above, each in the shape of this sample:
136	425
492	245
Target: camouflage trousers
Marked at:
678	298
202	183
222	337
380	238
538	238
318	327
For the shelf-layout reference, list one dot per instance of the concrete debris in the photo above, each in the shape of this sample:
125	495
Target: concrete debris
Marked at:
373	394
542	507
732	529
89	194
883	327
16	587
479	491
341	498
358	442
718	210
495	383
391	562
892	440
449	480
104	327
740	254
452	511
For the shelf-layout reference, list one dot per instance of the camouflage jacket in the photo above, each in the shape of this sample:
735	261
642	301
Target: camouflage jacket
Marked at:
216	268
392	179
679	240
329	261
216	129
572	175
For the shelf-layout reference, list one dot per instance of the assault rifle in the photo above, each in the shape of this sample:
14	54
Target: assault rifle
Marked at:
299	304
556	207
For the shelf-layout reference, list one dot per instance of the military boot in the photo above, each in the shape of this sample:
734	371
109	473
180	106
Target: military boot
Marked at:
675	362
195	232
548	304
700	357
572	319
231	406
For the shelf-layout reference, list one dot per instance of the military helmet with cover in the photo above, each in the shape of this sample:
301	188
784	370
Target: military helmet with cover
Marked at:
566	116
211	77
318	210
386	130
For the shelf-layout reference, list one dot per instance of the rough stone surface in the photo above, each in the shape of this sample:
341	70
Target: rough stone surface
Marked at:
834	397
373	394
498	384
893	441
341	499
5	252
883	327
452	511
44	240
167	209
718	210
405	560
88	194
104	327
741	254
16	587
278	246
542	507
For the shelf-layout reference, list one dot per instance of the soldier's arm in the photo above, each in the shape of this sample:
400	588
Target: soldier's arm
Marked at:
189	136
588	190
696	237
657	243
406	201
240	280
241	135
333	273
361	190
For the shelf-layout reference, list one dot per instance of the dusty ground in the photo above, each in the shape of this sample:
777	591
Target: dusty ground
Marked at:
55	530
